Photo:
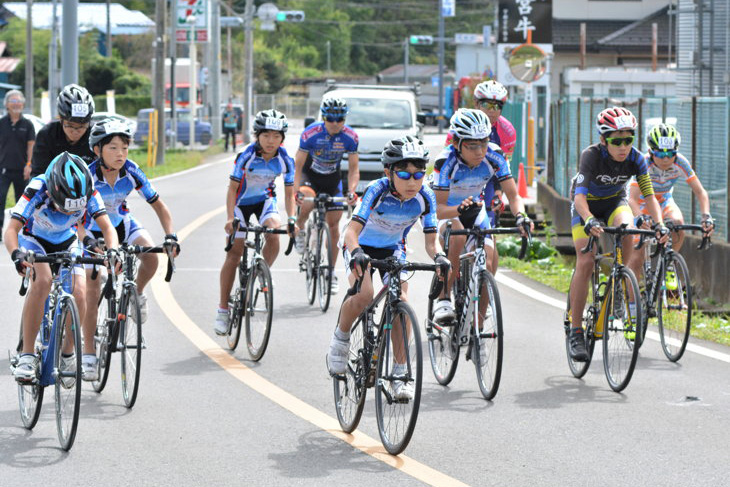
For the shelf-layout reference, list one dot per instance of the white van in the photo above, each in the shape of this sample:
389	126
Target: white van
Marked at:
378	113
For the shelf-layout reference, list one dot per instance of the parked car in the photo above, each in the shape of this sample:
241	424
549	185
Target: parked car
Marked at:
203	132
378	113
99	116
36	121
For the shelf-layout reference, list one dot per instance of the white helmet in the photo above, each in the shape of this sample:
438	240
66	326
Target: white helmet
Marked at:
471	124
491	90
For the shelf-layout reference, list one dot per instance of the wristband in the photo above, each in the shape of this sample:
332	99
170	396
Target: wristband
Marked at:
292	219
171	236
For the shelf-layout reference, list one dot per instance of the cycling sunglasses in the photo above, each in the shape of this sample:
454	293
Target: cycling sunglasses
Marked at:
491	104
619	141
334	119
664	153
405	175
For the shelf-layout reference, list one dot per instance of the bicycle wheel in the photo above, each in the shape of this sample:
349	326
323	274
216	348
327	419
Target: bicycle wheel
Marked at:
235	317
259	308
105	320
325	268
621	335
130	337
350	389
311	263
488	345
67	374
397	415
30	396
674	309
579	369
443	344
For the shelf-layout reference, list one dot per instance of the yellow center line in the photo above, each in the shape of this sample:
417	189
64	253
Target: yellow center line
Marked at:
222	357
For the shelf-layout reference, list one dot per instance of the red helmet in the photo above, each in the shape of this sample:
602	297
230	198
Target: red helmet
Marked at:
614	119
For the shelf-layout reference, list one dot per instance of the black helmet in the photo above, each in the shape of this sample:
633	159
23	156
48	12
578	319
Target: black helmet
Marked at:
270	120
75	104
69	182
334	107
105	128
408	148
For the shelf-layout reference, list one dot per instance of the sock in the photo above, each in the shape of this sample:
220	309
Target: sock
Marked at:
341	335
222	310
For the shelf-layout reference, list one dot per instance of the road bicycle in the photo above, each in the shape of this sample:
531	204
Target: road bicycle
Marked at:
667	294
609	314
119	320
253	299
375	348
60	328
478	324
318	255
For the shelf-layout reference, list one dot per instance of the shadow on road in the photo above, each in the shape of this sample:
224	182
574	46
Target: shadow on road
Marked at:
563	390
22	448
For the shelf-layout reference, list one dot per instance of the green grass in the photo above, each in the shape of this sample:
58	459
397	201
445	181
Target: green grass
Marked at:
556	271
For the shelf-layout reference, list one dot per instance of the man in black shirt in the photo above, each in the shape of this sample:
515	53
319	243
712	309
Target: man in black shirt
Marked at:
16	146
70	134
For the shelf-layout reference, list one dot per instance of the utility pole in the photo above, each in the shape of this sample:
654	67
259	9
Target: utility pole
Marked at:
193	90
329	64
441	67
70	43
108	29
214	73
29	95
406	50
160	79
229	50
248	73
53	62
173	61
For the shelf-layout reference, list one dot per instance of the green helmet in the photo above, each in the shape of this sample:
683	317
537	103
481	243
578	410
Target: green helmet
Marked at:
663	137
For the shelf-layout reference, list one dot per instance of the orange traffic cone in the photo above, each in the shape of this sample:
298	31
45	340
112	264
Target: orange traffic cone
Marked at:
521	182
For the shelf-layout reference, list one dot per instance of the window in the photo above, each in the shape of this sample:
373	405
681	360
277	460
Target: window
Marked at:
586	90
616	90
648	91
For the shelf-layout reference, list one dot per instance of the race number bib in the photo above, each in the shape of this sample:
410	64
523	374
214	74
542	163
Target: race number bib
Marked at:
74	204
79	110
666	143
624	122
274	124
412	151
479	131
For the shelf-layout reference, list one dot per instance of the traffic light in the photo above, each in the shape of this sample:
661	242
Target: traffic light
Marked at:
290	16
422	40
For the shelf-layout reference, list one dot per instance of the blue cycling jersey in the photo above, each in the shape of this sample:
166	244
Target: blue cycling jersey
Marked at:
257	176
452	174
326	150
387	220
130	177
41	219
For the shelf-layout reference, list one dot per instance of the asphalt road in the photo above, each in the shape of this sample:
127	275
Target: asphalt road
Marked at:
208	416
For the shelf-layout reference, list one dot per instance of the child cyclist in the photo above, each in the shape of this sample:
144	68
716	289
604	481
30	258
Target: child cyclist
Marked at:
666	167
378	229
251	191
48	214
114	178
464	177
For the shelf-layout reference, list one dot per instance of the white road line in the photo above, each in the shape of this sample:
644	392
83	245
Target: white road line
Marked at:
556	303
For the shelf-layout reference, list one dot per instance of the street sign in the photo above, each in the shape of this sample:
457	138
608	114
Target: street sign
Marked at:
448	8
434	80
186	8
487	35
464	38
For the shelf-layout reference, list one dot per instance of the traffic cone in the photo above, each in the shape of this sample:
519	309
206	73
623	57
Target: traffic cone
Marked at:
521	182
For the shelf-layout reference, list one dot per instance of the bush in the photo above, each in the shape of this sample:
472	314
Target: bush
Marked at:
510	247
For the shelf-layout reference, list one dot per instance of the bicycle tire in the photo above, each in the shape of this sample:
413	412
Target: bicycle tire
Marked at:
259	291
397	418
674	311
350	390
489	372
579	369
621	335
443	348
105	319
311	264
130	338
325	267
30	396
67	393
235	317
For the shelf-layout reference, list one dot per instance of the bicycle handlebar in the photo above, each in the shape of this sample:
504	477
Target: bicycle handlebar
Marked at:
394	266
620	230
258	230
54	258
706	239
325	198
483	232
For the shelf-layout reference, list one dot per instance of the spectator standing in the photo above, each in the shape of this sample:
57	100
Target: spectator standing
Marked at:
230	126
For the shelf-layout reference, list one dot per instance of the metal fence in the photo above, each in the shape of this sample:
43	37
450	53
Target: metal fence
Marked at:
292	106
704	123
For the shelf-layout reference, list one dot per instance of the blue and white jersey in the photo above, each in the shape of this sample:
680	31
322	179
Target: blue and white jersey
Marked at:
453	175
257	176
387	220
327	150
130	177
37	213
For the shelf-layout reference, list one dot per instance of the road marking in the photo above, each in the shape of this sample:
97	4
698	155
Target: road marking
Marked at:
543	298
361	441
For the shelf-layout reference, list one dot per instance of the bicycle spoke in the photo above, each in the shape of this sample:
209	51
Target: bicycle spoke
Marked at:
350	389
674	308
487	339
259	308
621	336
67	372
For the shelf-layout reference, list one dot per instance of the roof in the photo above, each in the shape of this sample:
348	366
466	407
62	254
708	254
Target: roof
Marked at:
612	35
8	64
90	16
415	70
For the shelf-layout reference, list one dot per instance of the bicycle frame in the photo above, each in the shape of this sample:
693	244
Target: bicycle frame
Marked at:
60	292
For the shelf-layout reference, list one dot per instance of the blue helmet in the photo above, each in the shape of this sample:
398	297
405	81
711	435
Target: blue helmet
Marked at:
334	107
69	182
